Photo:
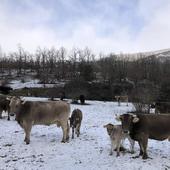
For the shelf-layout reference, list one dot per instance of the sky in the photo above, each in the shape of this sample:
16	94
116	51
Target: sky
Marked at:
106	26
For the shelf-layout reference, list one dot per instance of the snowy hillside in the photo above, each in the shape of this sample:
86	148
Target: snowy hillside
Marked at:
88	152
157	53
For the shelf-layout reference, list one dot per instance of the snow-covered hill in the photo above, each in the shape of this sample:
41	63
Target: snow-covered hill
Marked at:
88	152
158	53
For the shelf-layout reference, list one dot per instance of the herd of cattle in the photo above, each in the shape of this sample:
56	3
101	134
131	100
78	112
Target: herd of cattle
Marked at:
135	127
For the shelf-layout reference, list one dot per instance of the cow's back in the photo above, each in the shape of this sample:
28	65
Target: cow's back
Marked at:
156	126
77	114
45	112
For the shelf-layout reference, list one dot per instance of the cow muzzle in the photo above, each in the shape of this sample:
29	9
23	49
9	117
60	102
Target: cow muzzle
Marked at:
126	131
12	114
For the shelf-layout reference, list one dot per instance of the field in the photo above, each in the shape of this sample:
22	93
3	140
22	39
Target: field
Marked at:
88	152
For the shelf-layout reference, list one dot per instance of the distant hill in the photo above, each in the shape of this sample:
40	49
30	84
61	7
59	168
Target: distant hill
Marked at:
158	53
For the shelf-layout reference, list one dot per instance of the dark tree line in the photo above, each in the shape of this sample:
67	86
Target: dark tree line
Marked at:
58	64
123	74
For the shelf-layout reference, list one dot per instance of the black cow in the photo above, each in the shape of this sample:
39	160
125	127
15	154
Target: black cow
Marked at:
142	127
75	121
82	99
4	106
5	89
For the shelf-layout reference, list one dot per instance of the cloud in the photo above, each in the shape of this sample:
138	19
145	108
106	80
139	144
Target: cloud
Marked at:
155	34
107	26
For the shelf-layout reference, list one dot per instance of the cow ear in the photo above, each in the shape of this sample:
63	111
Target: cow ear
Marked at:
135	120
118	118
9	98
105	126
23	101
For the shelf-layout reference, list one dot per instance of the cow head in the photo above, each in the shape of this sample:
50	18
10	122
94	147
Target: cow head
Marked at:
127	121
15	103
73	122
109	128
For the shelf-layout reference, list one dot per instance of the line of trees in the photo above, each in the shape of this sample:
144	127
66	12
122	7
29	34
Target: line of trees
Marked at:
83	64
142	77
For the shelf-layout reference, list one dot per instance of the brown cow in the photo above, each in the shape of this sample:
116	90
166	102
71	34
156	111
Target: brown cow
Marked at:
75	121
29	113
142	127
117	136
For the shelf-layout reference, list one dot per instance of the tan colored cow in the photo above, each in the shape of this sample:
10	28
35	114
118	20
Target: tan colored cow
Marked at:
120	99
29	113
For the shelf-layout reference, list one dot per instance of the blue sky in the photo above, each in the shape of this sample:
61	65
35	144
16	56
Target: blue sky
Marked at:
102	25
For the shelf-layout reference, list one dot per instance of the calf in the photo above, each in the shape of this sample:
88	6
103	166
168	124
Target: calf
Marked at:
117	137
75	121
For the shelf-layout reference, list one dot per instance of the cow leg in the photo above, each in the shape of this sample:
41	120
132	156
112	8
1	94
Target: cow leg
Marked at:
64	129
141	148
27	128
118	103
112	147
78	130
132	144
118	149
8	116
0	115
144	146
68	130
8	110
72	132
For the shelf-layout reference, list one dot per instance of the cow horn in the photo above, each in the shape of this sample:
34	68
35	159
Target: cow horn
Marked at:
23	102
8	98
105	126
118	118
132	115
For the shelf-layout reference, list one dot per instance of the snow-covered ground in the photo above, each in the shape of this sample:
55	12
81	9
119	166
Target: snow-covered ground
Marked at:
88	152
18	84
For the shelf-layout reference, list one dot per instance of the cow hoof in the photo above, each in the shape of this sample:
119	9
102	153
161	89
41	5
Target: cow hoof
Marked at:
63	141
27	142
8	119
134	157
132	152
145	157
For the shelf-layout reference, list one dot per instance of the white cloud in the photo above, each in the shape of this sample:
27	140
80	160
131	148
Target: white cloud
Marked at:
32	29
155	35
